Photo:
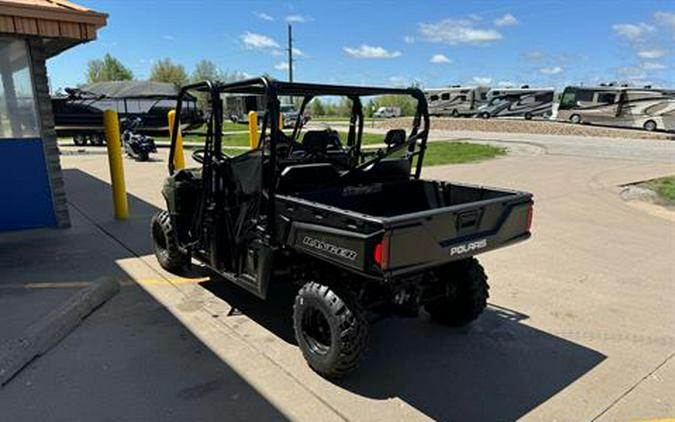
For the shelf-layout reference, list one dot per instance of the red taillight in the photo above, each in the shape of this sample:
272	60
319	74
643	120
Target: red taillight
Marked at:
378	254
529	216
381	253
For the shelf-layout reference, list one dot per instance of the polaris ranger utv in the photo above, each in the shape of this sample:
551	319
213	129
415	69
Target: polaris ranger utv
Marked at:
356	231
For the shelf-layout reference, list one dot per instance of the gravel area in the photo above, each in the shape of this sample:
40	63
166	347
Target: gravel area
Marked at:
543	127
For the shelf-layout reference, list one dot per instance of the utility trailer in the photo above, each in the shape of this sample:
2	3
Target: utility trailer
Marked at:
356	232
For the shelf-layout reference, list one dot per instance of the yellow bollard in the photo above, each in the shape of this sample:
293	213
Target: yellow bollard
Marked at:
178	157
114	146
253	129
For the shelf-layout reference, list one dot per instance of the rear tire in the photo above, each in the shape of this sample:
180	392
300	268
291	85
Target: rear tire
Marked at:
466	293
485	115
528	116
143	156
330	329
165	244
649	126
454	113
575	118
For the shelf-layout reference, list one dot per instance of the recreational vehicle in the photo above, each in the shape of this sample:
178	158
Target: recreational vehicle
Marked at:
456	100
518	102
646	108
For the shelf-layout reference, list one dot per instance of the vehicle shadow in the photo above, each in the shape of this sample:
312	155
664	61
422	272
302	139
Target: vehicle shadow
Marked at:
497	368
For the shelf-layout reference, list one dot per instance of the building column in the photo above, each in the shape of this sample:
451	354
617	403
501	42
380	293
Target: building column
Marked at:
48	131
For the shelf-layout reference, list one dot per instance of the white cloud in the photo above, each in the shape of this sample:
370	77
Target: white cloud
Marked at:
482	80
277	53
506	20
264	16
551	70
297	19
653	66
281	66
168	37
439	58
298	53
666	19
506	84
457	31
253	40
369	52
535	55
632	32
653	53
408	39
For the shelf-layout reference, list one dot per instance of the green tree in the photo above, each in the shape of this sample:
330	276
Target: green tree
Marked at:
166	70
206	70
107	69
317	108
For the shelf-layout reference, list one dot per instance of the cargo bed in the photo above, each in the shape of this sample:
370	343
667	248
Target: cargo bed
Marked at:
418	223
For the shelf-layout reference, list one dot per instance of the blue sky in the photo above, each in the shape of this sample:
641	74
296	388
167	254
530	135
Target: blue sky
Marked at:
549	43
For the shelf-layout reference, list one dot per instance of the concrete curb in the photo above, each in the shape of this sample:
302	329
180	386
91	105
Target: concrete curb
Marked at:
42	335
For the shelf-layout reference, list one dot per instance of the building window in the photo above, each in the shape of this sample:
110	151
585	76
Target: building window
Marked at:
445	96
18	116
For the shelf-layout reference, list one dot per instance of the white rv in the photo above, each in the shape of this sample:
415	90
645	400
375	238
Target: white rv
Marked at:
518	102
387	112
456	100
646	108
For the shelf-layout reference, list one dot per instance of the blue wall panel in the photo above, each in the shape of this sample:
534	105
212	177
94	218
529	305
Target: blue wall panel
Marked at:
25	195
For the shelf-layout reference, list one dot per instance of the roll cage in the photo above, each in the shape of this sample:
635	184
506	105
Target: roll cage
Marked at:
271	90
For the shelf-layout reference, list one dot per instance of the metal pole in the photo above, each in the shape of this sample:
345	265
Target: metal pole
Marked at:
178	156
114	146
290	53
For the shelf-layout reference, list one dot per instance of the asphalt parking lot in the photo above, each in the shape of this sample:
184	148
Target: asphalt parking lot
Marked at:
579	327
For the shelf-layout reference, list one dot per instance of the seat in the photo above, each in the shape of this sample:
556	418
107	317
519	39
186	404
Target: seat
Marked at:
303	177
389	170
319	142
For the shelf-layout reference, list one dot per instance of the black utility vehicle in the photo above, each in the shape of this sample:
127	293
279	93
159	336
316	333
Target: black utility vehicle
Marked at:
357	232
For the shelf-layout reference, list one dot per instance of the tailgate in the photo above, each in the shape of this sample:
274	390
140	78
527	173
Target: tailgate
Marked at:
435	237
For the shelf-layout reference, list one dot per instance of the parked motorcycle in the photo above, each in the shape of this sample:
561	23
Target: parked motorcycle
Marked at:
136	145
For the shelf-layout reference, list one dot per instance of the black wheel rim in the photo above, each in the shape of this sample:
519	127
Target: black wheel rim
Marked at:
316	331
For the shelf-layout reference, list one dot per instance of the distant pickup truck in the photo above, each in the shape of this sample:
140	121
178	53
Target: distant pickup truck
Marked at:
387	112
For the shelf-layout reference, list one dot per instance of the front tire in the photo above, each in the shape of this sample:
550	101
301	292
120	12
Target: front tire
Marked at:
485	115
649	126
330	329
575	118
165	244
465	293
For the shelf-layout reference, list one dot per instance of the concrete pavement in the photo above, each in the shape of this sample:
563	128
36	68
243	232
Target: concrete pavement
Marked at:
579	325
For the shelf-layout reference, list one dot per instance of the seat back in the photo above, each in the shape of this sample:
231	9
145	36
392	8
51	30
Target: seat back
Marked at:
303	177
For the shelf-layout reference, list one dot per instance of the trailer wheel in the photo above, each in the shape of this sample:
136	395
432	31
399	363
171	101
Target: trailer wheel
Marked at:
165	244
97	139
485	115
80	140
649	126
330	329
575	118
454	113
528	116
465	296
